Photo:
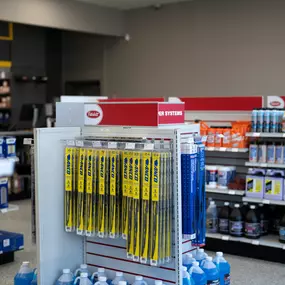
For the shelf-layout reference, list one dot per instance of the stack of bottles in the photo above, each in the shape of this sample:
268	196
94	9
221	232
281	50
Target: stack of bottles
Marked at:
268	120
265	183
201	269
122	189
249	221
193	191
229	137
266	152
219	176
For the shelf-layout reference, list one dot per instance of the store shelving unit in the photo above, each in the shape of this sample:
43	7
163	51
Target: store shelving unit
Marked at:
263	201
68	249
267	165
265	135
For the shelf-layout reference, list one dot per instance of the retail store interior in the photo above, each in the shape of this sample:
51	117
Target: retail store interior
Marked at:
138	137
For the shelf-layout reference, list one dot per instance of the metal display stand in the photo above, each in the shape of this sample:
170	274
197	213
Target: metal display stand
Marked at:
58	249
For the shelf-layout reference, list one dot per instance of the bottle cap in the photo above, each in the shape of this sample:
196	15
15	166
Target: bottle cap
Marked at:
66	271
184	268
252	207
158	282
195	263
237	206
122	283
119	274
200	250
84	274
83	266
212	203
26	263
101	278
101	270
227	203
209	258
138	278
219	254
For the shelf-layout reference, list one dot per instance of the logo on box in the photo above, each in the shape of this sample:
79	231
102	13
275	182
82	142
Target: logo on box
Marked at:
93	114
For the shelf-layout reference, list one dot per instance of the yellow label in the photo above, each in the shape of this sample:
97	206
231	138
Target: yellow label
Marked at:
68	168
155	176
113	170
155	252
81	170
277	187
125	173
102	171
90	171
146	164
258	185
136	175
131	174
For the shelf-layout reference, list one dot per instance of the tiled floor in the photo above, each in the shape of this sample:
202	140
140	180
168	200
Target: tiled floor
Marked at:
245	271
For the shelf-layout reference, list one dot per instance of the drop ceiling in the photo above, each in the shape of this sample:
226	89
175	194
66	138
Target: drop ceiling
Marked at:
130	4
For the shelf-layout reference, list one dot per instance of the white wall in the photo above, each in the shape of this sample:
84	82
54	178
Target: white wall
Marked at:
65	15
204	47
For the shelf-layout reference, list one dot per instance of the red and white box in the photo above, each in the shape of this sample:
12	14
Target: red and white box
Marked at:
142	114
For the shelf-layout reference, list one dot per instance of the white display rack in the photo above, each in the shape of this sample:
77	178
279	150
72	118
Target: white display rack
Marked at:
263	201
225	149
266	135
269	240
270	165
225	191
11	208
58	249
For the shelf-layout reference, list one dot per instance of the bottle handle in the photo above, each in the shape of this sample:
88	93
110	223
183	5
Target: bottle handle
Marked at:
191	271
93	276
76	279
76	271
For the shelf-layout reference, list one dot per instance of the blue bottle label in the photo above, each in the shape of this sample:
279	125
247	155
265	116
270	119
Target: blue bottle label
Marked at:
227	279
271	154
279	154
282	233
252	230
213	282
253	153
236	228
224	225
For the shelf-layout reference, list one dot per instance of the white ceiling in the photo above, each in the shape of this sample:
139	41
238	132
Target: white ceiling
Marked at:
130	4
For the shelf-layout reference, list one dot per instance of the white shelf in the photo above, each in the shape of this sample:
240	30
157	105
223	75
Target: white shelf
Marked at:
266	135
263	201
225	149
270	165
17	133
11	208
269	240
225	191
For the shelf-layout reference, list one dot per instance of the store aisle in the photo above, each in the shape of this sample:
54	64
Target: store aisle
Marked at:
244	270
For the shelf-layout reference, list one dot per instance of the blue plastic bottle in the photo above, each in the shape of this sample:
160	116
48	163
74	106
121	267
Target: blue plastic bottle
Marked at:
25	274
81	269
198	274
101	272
200	255
188	259
119	277
66	278
84	280
224	268
211	271
139	281
185	276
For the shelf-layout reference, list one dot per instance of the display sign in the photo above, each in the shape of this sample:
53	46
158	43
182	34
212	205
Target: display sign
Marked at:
276	102
133	114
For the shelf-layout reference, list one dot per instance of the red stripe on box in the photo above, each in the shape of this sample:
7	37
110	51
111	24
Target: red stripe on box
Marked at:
130	273
222	103
156	99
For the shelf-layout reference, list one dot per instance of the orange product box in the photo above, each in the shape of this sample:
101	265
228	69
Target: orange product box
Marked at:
211	137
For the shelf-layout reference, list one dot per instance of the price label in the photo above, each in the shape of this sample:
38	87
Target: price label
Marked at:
263	164
6	242
225	237
234	149
130	146
79	143
96	144
210	148
222	149
256	134
232	192
70	143
112	144
255	242
283	247
283	135
148	146
264	201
